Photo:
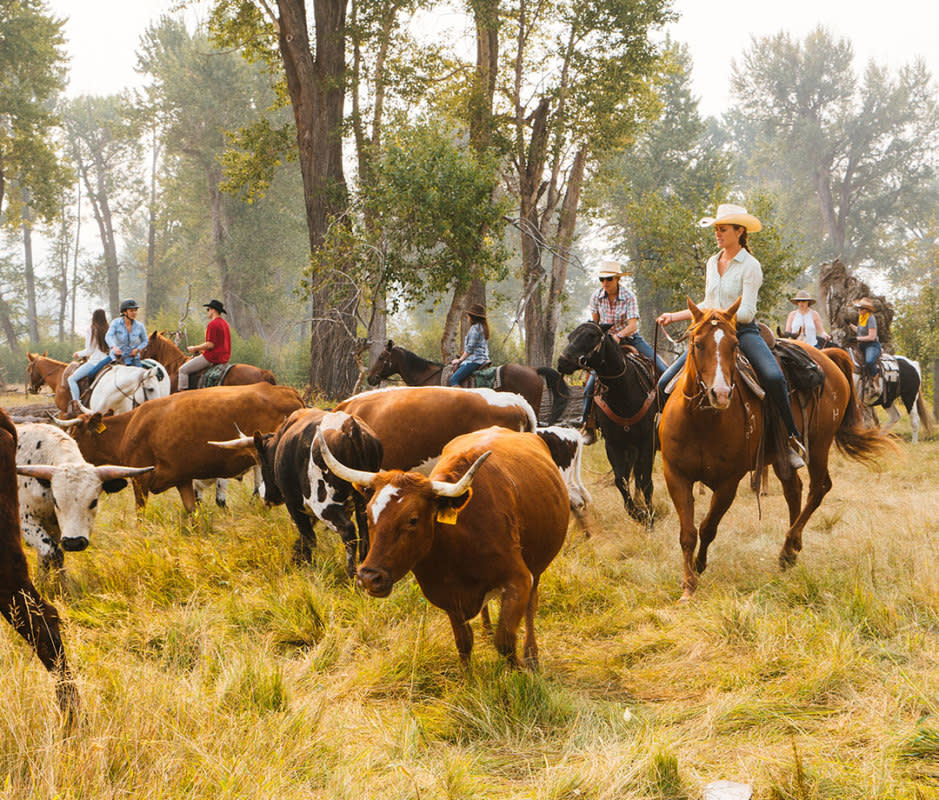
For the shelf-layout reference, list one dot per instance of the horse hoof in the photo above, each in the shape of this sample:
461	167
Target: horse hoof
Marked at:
686	597
786	561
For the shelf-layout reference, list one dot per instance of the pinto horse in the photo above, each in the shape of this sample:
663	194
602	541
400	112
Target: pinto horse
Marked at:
906	388
161	348
526	381
625	395
712	430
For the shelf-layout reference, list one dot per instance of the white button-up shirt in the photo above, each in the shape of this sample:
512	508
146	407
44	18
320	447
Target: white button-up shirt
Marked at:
742	278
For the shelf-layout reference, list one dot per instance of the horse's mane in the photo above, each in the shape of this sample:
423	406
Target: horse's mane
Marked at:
413	361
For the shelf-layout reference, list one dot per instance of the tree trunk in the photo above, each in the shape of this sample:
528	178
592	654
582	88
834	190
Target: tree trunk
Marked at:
78	225
7	324
151	222
30	274
317	90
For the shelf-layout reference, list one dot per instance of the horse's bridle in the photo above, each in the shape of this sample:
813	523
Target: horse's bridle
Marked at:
30	384
595	350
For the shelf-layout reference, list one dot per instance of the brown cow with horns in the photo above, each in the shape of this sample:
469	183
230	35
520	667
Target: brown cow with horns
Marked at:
490	517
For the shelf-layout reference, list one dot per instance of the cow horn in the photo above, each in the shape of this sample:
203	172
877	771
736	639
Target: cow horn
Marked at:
241	443
66	423
357	476
443	489
109	472
43	471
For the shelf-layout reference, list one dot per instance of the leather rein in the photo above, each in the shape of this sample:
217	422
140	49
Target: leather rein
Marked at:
625	422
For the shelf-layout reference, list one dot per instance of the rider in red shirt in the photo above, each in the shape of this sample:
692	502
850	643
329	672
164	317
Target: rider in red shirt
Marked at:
216	349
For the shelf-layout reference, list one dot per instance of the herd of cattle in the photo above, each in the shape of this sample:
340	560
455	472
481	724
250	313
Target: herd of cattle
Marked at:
459	486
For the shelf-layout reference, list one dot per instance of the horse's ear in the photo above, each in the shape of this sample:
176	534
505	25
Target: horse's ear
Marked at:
696	312
391	344
45	354
732	311
30	356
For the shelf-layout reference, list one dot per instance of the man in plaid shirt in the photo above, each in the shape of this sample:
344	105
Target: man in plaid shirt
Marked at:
616	306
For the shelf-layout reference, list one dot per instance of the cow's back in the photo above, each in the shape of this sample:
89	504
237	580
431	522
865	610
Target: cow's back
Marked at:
414	423
292	454
519	485
172	433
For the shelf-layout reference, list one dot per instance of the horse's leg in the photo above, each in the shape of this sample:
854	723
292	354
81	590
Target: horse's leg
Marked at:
819	486
792	491
680	490
721	499
643	474
893	417
913	411
622	460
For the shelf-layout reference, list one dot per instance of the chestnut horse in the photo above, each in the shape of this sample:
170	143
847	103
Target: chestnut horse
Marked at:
526	381
43	370
163	349
712	429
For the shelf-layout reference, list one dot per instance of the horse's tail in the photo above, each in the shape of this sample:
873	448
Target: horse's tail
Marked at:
924	414
559	388
853	437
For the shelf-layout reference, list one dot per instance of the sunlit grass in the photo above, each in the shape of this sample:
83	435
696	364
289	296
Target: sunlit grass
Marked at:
210	666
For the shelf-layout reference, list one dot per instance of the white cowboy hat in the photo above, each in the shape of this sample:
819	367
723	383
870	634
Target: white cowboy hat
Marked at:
611	269
729	214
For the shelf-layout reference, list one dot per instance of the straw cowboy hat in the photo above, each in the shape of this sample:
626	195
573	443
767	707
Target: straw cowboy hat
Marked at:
865	302
802	295
477	310
729	214
611	269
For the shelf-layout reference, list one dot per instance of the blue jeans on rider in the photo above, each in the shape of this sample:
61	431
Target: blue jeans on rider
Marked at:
86	370
463	371
871	352
764	364
645	348
133	361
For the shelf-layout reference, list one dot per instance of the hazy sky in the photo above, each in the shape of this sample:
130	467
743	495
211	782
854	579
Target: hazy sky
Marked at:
103	35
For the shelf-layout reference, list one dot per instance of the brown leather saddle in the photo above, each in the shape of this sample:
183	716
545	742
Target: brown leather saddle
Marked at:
86	385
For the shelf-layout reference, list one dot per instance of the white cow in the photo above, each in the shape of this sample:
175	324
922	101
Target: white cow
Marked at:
58	491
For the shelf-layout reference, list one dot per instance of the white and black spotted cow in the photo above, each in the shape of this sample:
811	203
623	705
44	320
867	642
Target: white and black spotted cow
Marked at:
59	490
567	448
293	472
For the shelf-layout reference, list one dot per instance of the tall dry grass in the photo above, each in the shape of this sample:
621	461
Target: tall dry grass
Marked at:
209	667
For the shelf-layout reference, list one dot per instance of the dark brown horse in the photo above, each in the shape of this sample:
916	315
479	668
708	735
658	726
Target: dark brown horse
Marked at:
625	396
43	370
526	381
161	348
712	430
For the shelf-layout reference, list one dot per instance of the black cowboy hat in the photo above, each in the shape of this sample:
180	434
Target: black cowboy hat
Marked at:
217	305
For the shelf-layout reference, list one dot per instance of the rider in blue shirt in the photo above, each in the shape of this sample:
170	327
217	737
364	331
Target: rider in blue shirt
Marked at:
475	347
127	337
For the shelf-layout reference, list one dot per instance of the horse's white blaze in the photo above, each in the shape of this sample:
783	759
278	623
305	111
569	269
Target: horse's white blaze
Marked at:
381	501
719	383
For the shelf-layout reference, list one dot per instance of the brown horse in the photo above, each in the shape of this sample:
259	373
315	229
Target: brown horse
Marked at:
526	381
712	430
163	349
43	370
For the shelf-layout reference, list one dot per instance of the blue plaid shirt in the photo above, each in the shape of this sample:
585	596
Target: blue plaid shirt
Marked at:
476	345
617	313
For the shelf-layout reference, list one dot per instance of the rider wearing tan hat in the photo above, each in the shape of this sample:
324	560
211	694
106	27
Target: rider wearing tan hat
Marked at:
730	273
805	323
475	346
866	332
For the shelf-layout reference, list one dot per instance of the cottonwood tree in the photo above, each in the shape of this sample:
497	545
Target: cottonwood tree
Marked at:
851	157
104	145
578	77
314	81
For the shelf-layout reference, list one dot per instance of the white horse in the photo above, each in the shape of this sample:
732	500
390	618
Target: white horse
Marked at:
123	388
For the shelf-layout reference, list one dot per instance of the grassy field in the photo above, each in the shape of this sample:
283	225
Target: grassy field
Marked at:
209	667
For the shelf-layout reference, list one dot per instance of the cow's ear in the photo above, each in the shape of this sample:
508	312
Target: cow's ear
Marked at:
449	508
114	485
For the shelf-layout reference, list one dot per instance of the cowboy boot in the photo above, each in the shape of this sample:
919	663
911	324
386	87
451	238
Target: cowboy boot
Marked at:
74	409
588	426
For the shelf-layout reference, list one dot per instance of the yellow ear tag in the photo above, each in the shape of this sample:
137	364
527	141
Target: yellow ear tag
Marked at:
101	428
449	514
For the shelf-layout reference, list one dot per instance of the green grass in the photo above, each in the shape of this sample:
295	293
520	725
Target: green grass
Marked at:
210	667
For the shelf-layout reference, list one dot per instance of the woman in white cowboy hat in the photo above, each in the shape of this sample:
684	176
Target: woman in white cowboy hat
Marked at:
733	272
616	306
805	323
866	331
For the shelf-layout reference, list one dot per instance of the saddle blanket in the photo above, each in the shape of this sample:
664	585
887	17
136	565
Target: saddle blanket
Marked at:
214	375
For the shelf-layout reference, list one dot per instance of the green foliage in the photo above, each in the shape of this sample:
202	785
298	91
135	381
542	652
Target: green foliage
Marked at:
428	209
32	73
852	158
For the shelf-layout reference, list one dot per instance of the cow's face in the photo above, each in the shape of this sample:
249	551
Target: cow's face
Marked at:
265	448
75	490
401	516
